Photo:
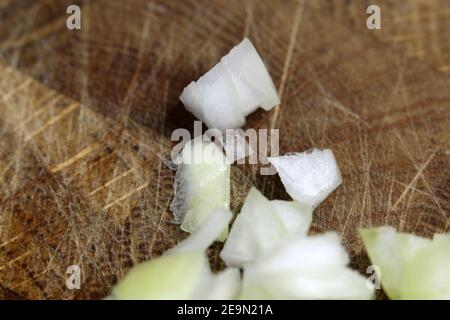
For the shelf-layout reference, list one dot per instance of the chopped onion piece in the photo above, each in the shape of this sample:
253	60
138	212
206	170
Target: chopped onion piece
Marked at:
166	277
389	251
296	216
178	276
305	268
221	108
202	184
192	100
183	272
411	267
261	225
232	89
309	177
427	274
222	286
250	77
209	231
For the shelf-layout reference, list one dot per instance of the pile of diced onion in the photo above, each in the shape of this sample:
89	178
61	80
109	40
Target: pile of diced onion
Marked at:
268	251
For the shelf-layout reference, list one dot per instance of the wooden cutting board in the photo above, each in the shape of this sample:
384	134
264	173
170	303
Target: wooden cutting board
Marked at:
86	116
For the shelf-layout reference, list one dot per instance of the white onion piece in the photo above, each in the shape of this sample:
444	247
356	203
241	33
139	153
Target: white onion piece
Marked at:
232	89
411	267
192	99
296	216
305	268
309	177
202	184
250	77
221	108
261	225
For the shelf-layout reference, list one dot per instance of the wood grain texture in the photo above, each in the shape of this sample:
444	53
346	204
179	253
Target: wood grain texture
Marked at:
86	117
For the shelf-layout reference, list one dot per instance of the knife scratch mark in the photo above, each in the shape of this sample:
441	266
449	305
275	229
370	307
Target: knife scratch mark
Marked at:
330	99
11	240
35	35
53	120
418	174
124	174
127	195
415	189
287	62
33	278
161	218
158	186
20	87
37	113
249	18
11	262
80	155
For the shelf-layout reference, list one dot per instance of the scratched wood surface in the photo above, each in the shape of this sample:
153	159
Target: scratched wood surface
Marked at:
86	116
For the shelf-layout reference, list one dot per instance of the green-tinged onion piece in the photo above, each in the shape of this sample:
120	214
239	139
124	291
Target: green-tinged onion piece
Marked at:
167	277
411	267
312	267
183	272
261	225
202	183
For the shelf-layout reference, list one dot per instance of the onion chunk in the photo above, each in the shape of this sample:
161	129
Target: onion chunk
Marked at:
232	89
202	184
183	272
261	225
411	267
309	177
312	267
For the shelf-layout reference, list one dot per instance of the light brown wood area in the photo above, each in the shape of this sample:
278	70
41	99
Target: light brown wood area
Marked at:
86	117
